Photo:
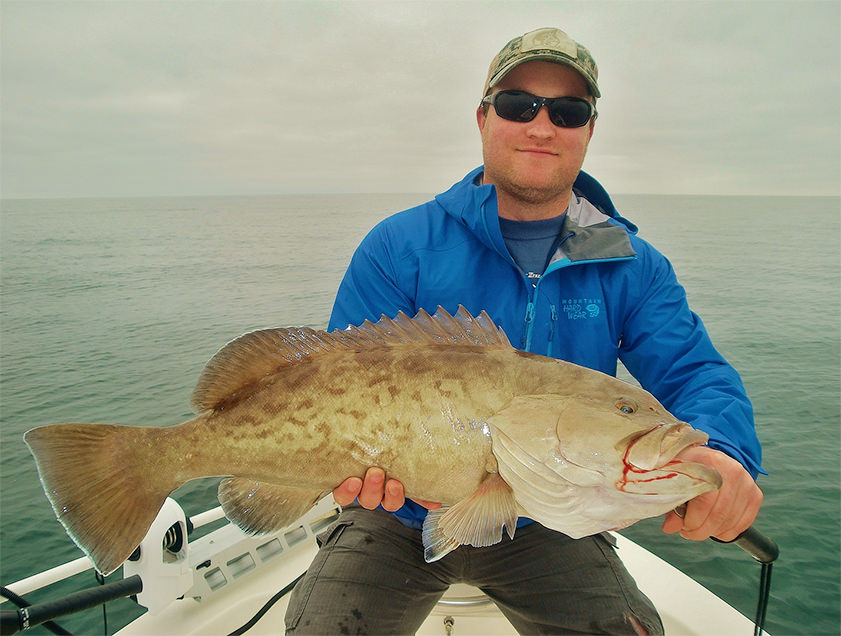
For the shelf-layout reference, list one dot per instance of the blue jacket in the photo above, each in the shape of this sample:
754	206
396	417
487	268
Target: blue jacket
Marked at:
606	295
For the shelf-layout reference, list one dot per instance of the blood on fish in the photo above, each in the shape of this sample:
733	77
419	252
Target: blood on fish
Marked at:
630	468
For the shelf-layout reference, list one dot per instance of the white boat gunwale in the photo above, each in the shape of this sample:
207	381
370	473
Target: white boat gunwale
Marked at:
227	577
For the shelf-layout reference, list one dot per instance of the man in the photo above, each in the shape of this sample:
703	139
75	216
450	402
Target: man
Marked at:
538	244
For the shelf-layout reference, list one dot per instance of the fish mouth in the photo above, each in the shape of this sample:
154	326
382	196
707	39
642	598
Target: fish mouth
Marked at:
659	445
650	466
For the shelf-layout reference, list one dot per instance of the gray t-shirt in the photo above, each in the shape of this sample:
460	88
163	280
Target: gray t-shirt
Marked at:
532	243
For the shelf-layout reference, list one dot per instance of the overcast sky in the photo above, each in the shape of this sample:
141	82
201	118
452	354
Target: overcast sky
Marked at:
135	98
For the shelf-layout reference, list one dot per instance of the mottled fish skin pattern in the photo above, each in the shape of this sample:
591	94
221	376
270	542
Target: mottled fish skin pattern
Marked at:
443	403
422	415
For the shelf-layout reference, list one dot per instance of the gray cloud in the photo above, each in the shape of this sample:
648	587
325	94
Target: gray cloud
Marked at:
176	97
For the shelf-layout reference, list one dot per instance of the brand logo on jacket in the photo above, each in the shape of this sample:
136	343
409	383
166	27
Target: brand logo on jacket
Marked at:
581	308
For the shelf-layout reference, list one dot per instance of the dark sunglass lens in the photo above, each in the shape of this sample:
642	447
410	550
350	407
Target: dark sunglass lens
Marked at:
569	113
515	106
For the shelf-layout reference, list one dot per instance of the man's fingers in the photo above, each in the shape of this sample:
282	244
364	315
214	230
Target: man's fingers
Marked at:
723	513
393	498
372	488
741	521
346	492
672	523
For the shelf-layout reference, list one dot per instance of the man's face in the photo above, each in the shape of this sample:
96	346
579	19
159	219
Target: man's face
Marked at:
535	162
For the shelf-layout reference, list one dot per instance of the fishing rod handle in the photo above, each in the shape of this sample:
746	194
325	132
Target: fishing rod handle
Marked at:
24	618
756	544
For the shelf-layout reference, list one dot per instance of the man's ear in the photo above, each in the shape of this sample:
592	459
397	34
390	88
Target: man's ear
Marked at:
482	116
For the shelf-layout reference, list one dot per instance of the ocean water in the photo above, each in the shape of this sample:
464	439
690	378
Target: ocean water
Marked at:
109	309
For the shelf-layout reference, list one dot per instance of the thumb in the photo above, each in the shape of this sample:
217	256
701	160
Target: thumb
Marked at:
672	523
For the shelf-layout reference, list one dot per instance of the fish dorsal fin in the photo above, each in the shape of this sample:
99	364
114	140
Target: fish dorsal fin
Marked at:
442	328
254	356
250	358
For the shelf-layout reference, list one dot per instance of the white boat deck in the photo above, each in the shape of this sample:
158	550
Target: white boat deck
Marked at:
225	578
686	607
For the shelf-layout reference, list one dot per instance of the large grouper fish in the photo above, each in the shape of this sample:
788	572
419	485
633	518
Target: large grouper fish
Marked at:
443	403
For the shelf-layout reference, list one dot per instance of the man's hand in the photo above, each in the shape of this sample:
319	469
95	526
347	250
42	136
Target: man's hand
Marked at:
374	491
724	513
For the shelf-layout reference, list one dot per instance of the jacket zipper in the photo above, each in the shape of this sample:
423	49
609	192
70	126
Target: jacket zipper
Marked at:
550	340
531	306
529	318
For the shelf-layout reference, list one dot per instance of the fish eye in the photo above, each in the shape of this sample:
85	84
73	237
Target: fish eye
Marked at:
627	406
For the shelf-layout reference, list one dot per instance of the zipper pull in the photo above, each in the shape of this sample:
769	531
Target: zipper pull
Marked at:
527	323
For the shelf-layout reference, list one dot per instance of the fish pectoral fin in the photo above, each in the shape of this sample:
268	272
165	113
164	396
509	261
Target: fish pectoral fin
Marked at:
257	507
477	520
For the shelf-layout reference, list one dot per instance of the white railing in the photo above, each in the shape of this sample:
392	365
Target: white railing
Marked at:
83	564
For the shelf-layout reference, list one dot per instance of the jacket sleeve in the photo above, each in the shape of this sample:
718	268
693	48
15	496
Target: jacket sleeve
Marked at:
370	287
666	347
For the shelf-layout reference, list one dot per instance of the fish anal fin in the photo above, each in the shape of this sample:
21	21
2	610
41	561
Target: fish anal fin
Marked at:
257	507
477	521
436	544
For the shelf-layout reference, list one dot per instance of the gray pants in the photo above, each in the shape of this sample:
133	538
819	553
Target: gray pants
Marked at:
369	577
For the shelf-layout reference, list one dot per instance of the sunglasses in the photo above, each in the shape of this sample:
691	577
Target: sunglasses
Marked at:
565	112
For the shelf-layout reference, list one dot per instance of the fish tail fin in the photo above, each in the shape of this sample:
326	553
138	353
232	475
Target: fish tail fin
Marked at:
103	489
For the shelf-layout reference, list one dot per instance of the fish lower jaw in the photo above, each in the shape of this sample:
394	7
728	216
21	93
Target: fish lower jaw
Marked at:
676	477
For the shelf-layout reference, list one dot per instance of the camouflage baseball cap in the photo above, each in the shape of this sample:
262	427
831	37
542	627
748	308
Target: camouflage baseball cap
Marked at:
548	44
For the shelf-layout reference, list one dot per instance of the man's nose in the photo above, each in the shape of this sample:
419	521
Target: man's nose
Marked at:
541	125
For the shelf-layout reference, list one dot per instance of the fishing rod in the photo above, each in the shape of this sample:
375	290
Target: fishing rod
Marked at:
765	551
14	621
